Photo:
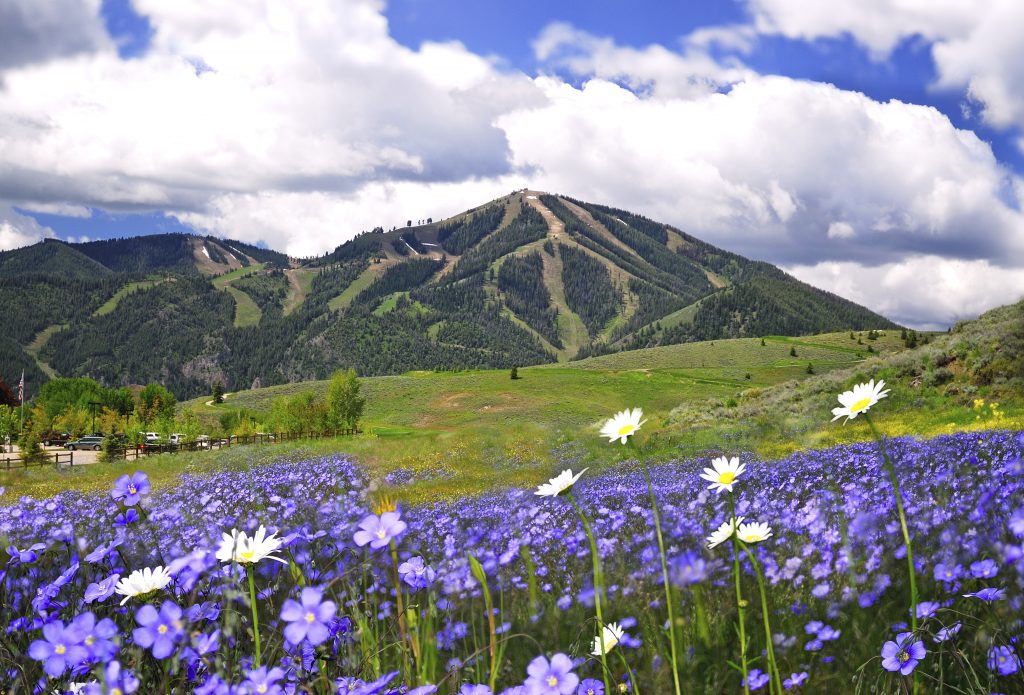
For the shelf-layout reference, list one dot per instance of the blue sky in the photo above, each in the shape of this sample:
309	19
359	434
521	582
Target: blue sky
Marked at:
875	150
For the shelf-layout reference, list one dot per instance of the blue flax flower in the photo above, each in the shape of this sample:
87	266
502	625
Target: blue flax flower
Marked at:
264	681
416	573
553	677
159	632
378	531
590	686
989	594
60	648
904	654
117	681
756	679
102	590
984	569
309	619
1003	661
130	489
794	680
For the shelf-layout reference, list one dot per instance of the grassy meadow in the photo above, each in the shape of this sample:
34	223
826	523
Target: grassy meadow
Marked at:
448	434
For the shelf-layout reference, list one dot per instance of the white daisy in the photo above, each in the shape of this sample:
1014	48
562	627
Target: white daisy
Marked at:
240	548
613	634
724	532
142	582
559	484
623	425
754	532
859	400
723	473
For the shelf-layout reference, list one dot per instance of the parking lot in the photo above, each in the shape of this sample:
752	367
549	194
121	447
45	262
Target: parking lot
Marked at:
81	457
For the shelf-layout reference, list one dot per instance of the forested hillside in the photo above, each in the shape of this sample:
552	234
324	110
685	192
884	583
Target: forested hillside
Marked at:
525	279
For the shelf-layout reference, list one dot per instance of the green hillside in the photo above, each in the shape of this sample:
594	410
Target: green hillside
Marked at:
527	279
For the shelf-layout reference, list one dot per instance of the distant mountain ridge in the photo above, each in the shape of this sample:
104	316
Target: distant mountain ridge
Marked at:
525	279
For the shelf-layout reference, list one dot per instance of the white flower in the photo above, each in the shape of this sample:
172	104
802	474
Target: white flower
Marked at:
240	548
613	634
724	532
623	425
754	532
724	473
142	582
859	400
559	484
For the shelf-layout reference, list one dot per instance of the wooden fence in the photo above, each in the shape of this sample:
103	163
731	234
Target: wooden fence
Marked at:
132	453
10	462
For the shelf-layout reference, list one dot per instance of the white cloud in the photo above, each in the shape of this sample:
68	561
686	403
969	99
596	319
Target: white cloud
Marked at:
17	230
923	292
34	31
978	46
841	230
663	72
768	166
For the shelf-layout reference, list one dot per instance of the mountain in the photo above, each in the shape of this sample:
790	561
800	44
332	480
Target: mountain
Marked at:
525	279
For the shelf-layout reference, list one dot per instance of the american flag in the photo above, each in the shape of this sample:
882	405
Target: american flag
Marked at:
21	388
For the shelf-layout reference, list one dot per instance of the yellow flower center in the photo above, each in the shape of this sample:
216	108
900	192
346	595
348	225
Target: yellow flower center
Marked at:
162	629
310	617
246	555
751	538
726	478
381	534
131	489
904	657
261	688
59	649
860	405
116	691
626	429
89	640
552	681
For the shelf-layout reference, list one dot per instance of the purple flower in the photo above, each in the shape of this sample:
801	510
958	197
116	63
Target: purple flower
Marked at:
795	680
378	531
416	573
161	631
25	556
129	490
688	568
926	609
1003	661
904	654
264	681
551	678
948	573
308	620
984	569
590	686
117	682
947	633
989	594
102	590
471	689
97	636
130	516
756	679
60	649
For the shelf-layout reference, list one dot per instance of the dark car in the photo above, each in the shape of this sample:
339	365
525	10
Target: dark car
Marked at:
56	438
93	443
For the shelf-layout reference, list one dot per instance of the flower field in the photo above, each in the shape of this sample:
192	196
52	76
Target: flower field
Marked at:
180	590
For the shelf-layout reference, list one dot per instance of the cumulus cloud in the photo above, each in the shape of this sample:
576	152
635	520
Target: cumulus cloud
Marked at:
769	167
977	46
655	69
301	123
923	292
17	230
32	31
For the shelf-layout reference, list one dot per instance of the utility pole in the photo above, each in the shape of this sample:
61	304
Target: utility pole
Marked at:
92	406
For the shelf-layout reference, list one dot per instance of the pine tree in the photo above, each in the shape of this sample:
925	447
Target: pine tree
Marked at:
792	351
218	393
515	373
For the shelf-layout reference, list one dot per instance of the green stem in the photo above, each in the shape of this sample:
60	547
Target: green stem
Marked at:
739	597
597	589
668	589
255	615
629	672
903	524
773	667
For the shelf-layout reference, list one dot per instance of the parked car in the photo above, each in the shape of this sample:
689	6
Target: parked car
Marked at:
176	438
150	437
203	441
56	438
93	443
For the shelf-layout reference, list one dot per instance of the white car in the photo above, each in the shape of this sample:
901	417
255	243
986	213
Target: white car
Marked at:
176	438
150	437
